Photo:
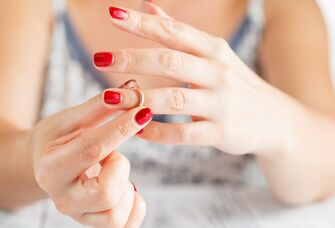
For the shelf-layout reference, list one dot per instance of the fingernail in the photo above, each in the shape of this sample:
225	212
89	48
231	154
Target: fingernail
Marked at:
143	116
103	59
139	132
118	13
135	189
112	98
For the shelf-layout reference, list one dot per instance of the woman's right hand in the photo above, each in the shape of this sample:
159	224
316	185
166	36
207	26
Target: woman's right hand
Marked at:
69	144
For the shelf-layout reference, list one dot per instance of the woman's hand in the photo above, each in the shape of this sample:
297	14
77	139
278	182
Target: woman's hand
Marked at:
232	108
75	162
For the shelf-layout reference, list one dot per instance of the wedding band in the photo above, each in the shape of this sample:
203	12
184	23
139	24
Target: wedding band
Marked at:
132	84
141	95
128	84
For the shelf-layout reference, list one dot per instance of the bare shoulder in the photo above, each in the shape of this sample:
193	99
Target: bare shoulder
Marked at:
294	52
298	21
25	31
297	8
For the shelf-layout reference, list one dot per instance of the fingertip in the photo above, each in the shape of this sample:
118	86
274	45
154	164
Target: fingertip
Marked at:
118	13
111	97
120	99
103	59
143	116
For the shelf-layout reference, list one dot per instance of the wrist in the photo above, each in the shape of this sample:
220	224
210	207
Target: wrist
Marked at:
283	115
18	184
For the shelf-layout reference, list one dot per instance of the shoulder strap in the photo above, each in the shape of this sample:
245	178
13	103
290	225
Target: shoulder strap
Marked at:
256	12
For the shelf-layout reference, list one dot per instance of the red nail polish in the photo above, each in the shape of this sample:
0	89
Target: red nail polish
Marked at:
143	116
118	13
112	97
103	59
135	189
139	132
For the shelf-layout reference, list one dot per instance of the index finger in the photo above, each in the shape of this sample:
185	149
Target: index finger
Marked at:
94	145
169	32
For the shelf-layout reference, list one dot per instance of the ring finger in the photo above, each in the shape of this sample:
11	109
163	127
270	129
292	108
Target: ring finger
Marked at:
172	101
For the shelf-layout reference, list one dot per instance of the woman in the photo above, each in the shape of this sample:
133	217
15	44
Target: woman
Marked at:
285	120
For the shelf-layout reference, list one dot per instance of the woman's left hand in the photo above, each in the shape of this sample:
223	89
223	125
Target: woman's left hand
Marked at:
232	108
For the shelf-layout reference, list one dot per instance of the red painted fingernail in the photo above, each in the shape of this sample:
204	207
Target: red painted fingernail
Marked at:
139	132
112	97
135	189
103	59
118	13
143	116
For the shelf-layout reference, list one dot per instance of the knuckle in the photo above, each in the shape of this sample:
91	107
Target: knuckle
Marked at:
96	100
220	48
124	129
121	163
62	206
42	179
136	22
124	164
102	195
110	197
91	150
156	134
128	60
176	101
167	28
222	44
43	175
114	221
108	193
171	62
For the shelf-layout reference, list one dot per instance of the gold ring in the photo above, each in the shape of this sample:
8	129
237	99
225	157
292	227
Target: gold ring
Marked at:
132	84
141	95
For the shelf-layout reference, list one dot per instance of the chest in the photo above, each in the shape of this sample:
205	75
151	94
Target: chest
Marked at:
92	24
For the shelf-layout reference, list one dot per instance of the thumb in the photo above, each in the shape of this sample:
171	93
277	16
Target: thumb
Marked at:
89	114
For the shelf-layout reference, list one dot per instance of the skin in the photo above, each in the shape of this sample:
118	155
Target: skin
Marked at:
290	125
88	197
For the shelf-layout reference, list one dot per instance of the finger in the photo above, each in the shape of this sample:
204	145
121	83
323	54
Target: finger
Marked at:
202	133
163	62
129	99
138	212
169	32
180	101
87	114
173	101
95	144
115	217
71	119
104	191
